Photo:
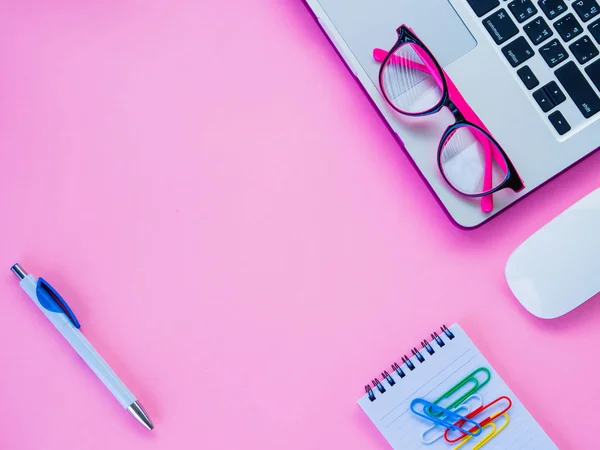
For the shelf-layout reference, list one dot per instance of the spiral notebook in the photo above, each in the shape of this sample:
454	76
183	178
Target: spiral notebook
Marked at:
441	365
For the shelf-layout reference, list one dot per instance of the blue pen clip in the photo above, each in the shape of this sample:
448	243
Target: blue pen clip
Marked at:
52	301
447	418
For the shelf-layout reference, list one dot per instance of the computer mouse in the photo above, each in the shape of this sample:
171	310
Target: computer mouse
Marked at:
558	268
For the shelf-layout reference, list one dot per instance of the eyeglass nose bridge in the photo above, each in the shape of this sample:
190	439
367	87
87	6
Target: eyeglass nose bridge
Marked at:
458	116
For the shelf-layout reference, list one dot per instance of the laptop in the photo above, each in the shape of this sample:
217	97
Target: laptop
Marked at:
530	69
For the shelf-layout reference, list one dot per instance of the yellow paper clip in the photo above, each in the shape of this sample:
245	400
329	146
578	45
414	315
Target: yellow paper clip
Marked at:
498	430
484	439
488	437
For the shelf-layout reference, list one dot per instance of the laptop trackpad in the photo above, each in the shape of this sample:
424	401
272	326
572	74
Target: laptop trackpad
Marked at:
367	24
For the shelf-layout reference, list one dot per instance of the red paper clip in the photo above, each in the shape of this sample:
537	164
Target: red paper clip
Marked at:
483	423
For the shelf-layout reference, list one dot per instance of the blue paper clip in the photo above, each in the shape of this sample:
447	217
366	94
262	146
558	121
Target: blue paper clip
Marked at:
436	432
446	418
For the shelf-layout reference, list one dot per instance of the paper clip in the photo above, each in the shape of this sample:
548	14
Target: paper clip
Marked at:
472	377
488	437
450	419
463	409
475	413
498	430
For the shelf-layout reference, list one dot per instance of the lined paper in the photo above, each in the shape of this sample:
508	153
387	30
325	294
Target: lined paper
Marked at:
391	414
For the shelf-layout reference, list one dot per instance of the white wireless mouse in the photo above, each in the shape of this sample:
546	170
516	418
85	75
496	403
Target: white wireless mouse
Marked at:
558	268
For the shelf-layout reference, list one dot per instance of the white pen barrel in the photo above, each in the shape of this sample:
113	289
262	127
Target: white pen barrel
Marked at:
102	370
82	346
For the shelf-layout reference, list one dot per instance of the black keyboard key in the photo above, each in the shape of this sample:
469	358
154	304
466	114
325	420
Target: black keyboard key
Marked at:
584	49
538	30
595	30
578	89
560	123
528	78
518	51
522	10
552	8
568	27
554	92
549	96
593	71
586	9
500	26
553	52
482	7
543	99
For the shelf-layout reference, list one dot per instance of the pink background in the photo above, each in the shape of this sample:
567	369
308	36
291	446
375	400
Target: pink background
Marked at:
240	237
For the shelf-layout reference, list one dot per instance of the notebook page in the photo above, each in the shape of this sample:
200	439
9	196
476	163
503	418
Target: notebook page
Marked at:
391	414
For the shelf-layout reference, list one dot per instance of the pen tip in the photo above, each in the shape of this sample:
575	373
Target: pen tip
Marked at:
137	410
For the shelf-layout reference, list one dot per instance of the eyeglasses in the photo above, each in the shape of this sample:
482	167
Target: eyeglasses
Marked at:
469	158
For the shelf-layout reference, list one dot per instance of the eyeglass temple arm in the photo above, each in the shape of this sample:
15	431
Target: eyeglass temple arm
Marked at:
487	204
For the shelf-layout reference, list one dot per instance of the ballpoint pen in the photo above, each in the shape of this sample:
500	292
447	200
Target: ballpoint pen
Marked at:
59	313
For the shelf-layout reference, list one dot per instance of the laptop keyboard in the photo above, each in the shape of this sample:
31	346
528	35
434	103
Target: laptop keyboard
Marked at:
565	34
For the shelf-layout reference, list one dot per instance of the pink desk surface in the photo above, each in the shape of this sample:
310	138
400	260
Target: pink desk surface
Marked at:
240	237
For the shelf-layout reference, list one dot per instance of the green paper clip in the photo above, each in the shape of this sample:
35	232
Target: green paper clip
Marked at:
472	377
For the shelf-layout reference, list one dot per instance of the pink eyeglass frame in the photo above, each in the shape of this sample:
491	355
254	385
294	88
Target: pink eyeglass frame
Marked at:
460	109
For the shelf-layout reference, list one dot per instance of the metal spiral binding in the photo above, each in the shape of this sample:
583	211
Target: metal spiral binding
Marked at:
397	369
